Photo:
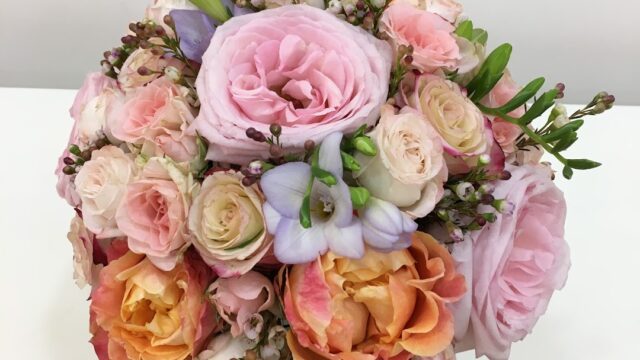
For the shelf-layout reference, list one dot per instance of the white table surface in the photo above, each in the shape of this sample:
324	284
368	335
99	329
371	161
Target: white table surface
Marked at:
44	316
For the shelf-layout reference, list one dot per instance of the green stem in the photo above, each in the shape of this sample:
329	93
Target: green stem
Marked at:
530	133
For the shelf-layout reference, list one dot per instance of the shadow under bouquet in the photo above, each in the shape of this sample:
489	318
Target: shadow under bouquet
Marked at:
306	179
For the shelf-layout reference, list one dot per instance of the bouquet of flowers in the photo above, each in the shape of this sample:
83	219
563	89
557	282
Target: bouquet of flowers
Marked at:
308	179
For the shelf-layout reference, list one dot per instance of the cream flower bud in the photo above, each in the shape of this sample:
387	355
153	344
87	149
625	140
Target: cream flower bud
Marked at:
173	73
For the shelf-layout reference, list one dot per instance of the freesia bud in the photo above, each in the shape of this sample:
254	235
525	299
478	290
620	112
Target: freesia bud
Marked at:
464	190
365	145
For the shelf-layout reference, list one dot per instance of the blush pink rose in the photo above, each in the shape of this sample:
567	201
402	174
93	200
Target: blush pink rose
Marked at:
85	127
431	37
238	299
296	66
82	240
153	213
515	264
157	117
504	132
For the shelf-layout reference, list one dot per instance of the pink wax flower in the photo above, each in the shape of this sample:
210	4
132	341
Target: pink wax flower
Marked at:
431	37
515	264
296	66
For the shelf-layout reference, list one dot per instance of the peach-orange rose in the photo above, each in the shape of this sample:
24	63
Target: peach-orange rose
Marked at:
149	314
382	306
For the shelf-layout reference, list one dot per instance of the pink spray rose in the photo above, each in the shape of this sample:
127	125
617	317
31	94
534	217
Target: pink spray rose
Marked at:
431	37
89	113
84	270
153	212
239	299
505	132
296	66
157	117
516	264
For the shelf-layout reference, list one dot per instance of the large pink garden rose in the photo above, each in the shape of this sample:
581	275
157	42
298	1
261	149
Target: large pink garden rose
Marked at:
296	66
517	263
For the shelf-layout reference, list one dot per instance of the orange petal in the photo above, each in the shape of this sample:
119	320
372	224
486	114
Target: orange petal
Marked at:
434	341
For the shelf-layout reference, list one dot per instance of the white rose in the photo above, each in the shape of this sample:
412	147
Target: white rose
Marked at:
161	8
409	169
101	183
92	124
449	10
459	122
225	347
130	78
228	223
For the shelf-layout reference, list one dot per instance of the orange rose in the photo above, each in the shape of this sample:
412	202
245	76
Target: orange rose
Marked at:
140	312
382	306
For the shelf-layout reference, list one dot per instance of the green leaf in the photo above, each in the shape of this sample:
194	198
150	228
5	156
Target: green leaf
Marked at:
213	8
567	172
583	164
480	36
490	72
349	162
323	176
523	96
564	131
360	131
359	196
539	107
566	142
465	30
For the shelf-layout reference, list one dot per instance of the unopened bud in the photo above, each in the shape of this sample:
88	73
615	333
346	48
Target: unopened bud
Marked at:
251	132
75	150
487	199
172	73
309	145
464	190
276	151
69	170
335	7
487	188
249	180
503	206
68	161
505	175
443	215
168	20
378	4
275	130
365	145
484	160
255	167
144	71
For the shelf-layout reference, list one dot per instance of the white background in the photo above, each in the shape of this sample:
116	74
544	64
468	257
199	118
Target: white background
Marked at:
590	45
43	316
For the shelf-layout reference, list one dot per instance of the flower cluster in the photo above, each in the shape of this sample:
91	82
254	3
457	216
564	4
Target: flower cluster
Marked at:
301	179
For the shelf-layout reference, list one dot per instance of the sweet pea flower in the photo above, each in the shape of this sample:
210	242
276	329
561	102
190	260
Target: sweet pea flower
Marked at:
515	264
333	225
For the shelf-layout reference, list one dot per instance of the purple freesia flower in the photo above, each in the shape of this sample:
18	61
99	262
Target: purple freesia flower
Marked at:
195	29
385	227
334	227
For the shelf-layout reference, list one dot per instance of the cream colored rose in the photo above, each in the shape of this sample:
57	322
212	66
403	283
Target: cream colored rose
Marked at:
459	122
228	224
92	124
449	10
130	78
84	271
409	169
101	183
